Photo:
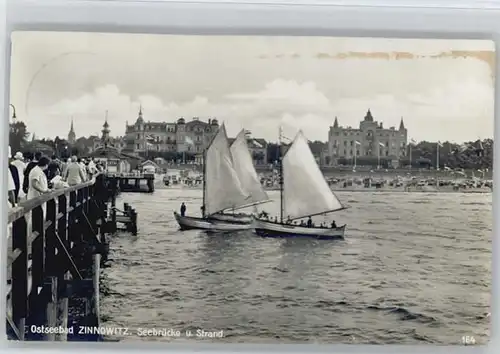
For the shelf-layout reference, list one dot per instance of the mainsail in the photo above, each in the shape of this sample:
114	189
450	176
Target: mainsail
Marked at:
243	164
305	191
223	189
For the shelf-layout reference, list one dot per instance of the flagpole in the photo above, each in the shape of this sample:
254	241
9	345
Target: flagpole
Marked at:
410	165
437	165
437	157
378	156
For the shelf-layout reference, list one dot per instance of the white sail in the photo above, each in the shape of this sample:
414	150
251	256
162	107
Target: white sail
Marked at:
223	189
243	164
305	190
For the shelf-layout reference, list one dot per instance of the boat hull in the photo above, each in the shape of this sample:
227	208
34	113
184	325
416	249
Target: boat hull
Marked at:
270	229
194	223
236	218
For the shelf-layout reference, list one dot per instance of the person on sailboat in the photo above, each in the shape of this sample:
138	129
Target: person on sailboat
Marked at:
202	208
334	225
309	222
183	209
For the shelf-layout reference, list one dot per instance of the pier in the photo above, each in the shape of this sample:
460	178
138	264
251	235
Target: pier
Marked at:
138	183
56	245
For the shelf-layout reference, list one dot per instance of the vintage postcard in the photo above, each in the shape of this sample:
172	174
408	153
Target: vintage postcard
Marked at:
256	189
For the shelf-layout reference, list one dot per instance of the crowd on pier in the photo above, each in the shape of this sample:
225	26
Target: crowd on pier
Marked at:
32	175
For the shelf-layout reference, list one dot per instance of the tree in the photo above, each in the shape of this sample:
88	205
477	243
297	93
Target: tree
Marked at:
272	152
17	136
317	147
258	156
470	155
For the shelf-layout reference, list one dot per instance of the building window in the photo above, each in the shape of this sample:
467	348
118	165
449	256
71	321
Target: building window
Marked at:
387	153
138	136
138	146
357	152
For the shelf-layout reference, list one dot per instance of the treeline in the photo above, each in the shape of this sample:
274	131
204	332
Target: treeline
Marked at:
470	155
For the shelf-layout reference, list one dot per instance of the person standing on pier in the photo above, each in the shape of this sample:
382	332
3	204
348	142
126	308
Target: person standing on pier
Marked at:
11	189
16	178
74	173
92	168
83	167
183	209
28	169
18	162
38	183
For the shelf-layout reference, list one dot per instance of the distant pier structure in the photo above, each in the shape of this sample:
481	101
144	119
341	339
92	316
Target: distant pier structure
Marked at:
56	245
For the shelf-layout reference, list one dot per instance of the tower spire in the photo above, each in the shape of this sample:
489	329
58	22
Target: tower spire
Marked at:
72	134
336	123
402	124
140	120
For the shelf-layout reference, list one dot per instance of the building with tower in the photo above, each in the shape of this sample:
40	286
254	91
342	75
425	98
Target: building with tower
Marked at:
106	140
182	136
367	142
71	134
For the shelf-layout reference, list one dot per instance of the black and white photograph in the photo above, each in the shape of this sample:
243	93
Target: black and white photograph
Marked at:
249	189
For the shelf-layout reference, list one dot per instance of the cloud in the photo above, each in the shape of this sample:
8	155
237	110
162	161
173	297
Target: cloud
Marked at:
467	107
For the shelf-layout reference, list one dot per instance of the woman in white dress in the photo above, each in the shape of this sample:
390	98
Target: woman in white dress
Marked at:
38	183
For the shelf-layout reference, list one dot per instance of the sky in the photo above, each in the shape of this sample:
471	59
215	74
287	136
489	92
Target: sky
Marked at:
443	89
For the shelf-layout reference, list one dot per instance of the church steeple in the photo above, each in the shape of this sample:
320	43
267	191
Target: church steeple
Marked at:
71	134
336	123
401	125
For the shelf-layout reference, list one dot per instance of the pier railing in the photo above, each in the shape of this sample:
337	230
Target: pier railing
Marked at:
54	247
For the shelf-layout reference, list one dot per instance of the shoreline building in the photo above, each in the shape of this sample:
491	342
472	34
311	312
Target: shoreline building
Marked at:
367	142
180	137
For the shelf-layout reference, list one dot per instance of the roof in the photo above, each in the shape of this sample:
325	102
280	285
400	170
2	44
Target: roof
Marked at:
111	152
252	143
106	152
197	122
149	162
257	142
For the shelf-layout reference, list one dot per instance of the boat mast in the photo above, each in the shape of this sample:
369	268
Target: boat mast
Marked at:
281	181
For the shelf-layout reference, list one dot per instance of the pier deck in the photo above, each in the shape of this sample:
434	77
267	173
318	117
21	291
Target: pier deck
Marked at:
56	244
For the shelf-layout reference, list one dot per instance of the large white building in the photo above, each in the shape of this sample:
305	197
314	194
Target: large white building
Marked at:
370	140
181	136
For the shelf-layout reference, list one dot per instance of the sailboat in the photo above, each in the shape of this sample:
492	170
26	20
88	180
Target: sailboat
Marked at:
243	164
304	193
222	190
